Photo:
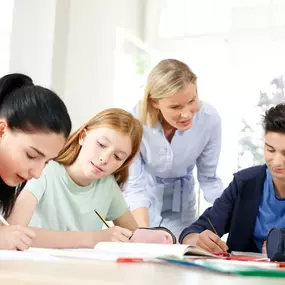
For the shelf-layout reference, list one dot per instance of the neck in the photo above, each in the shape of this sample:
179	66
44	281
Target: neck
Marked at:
169	130
75	173
279	187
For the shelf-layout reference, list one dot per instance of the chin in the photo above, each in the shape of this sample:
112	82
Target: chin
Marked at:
9	182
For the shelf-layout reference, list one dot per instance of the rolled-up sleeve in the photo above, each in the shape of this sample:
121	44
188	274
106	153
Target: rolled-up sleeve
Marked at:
207	164
135	189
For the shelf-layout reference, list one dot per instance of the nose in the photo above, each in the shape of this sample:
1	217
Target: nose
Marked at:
187	112
278	160
104	157
36	171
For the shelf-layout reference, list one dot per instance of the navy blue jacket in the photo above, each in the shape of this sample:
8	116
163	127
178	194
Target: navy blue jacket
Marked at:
235	211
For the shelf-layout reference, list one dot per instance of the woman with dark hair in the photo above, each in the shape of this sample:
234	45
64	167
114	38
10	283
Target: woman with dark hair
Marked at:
34	126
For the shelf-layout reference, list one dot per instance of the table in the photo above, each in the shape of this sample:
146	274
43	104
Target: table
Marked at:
83	272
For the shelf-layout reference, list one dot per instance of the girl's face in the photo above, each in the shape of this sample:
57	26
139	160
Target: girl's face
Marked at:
24	155
103	151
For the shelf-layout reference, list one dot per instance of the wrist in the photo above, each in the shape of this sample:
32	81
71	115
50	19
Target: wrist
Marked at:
190	239
89	238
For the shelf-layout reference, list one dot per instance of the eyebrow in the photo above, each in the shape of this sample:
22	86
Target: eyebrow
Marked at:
37	151
269	145
117	150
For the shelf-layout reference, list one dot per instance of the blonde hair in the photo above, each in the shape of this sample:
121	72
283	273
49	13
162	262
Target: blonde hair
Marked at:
113	118
167	78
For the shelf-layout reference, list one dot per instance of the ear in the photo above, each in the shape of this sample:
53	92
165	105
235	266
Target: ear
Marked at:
82	136
154	103
3	127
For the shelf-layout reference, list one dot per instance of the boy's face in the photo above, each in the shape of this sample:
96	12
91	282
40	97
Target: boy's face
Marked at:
274	154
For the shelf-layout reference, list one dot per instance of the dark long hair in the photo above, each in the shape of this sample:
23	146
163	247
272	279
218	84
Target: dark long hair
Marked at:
29	108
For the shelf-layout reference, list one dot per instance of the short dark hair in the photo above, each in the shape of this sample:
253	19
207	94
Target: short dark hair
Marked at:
274	119
29	108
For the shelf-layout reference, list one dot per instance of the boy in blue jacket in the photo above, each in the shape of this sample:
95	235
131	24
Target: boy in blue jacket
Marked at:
254	201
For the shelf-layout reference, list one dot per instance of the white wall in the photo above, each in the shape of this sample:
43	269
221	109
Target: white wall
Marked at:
90	54
32	39
69	45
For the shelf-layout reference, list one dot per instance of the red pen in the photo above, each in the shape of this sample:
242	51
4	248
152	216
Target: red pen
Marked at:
129	259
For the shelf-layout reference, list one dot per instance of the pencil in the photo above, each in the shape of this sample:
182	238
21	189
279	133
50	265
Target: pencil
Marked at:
102	219
213	228
4	222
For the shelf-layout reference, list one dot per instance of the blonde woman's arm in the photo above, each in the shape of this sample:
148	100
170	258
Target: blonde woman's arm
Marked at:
135	193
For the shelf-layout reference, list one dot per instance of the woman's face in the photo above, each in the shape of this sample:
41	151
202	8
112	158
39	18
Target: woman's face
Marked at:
179	109
24	155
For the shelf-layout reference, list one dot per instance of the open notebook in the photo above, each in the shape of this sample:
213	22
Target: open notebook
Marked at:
115	250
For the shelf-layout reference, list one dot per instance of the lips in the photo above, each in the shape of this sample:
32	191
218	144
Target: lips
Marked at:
20	178
97	168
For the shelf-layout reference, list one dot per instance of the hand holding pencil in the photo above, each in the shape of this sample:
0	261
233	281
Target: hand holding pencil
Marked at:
115	233
15	237
208	240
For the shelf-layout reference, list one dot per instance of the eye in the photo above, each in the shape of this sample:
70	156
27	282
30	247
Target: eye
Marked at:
175	107
271	150
101	145
30	156
117	157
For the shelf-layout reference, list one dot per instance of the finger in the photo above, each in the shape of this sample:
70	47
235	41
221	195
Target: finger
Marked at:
211	244
217	240
29	232
121	237
26	240
127	233
21	245
202	245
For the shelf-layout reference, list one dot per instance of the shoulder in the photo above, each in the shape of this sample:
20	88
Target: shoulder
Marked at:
54	168
255	172
209	113
108	182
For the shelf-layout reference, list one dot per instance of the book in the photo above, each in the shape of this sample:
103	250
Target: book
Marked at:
244	268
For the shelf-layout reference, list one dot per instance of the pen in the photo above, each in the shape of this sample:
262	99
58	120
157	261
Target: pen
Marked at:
213	229
102	219
4	222
129	259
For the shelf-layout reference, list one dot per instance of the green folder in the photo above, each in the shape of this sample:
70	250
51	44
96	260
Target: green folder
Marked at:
228	268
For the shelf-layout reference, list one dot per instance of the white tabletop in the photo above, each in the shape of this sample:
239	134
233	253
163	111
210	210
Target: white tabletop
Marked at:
95	272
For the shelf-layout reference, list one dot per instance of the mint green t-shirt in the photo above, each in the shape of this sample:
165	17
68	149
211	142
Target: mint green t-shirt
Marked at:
63	205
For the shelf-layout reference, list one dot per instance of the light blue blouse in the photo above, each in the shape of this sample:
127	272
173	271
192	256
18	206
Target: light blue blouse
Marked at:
161	177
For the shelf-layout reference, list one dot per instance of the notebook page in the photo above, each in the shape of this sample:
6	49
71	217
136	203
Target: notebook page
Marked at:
144	250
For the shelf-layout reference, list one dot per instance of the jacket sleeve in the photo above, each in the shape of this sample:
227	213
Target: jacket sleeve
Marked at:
219	214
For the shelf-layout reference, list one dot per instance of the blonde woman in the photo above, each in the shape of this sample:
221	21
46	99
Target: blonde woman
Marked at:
86	176
180	132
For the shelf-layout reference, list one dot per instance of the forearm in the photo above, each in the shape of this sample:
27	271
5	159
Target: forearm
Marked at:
63	239
141	216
